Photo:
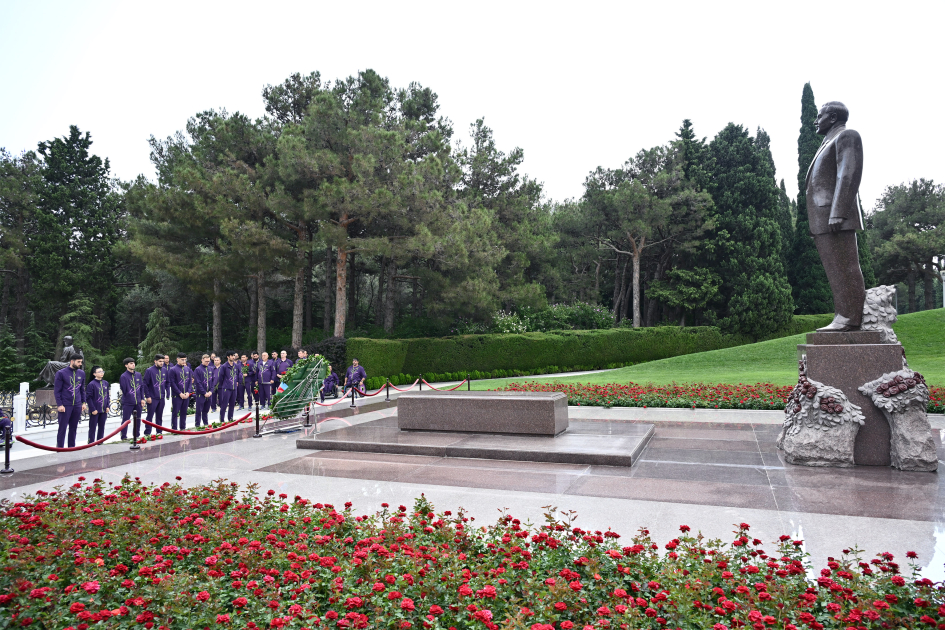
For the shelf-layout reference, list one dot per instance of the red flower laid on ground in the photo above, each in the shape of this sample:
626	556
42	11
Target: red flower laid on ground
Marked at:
175	557
699	395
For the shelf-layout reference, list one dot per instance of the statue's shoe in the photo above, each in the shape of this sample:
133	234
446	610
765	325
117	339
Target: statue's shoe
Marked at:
839	324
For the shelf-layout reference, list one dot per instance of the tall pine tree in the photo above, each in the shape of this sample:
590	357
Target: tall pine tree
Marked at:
806	273
744	249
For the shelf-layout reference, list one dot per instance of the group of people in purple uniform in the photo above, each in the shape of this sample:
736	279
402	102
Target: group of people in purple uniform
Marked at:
227	385
230	383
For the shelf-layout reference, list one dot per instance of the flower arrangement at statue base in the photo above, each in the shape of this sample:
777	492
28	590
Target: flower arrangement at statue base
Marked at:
217	556
765	396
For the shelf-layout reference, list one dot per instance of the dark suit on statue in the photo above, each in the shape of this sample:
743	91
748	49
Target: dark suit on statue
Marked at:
833	180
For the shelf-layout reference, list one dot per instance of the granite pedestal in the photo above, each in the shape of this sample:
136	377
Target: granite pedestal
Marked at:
847	360
514	413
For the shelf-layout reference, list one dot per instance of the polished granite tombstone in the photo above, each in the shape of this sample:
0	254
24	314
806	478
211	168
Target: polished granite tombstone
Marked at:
846	360
520	413
591	443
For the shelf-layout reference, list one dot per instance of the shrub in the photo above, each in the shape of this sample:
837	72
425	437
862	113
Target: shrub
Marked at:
217	556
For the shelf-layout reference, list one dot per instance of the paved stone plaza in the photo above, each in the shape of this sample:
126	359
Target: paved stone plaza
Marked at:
706	469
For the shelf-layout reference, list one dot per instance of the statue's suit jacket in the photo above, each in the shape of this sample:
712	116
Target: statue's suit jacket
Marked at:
833	180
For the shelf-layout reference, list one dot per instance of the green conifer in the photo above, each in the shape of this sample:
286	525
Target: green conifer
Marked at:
806	273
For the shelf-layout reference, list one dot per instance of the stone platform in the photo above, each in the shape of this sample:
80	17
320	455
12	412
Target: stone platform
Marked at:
847	360
518	413
589	443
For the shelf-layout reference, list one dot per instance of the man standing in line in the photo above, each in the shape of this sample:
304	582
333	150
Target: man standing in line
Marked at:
303	354
274	357
70	399
283	364
228	379
98	398
257	377
203	388
267	372
354	376
215	399
167	371
241	386
154	381
132	396
181	379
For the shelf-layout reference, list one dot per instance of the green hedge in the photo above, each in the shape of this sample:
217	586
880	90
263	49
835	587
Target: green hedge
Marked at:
529	353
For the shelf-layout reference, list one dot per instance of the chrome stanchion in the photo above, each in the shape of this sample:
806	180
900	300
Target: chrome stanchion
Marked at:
257	421
8	434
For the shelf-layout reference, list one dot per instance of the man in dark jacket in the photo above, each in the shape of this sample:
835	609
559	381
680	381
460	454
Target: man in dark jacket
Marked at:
69	389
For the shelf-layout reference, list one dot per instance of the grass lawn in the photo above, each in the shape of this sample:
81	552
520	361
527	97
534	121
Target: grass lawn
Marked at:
922	335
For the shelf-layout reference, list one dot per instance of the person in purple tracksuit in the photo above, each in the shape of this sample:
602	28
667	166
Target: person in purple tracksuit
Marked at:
181	378
215	364
228	380
265	377
155	380
283	363
204	382
69	389
98	398
328	386
131	386
354	376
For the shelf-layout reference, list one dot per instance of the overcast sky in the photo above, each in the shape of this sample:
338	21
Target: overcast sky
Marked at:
576	84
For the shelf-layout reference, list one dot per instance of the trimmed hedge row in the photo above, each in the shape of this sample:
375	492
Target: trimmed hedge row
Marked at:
530	352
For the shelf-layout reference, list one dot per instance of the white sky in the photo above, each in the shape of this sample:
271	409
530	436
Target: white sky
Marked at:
576	84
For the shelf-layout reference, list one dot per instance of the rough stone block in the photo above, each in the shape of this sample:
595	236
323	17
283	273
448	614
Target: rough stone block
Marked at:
529	413
903	396
845	338
847	367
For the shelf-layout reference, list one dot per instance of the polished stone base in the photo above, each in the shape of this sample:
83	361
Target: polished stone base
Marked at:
846	366
591	443
519	413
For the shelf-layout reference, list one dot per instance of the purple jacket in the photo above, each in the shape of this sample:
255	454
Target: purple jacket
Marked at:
204	379
282	366
250	376
98	397
131	388
267	371
355	375
182	380
229	376
154	382
330	382
69	387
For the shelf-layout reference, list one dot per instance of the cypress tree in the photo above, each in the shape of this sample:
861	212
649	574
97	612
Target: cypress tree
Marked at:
866	255
786	223
806	273
744	248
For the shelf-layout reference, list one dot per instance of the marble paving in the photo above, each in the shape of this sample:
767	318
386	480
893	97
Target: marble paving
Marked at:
707	473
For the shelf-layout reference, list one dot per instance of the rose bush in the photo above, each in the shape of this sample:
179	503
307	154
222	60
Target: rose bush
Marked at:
144	556
758	396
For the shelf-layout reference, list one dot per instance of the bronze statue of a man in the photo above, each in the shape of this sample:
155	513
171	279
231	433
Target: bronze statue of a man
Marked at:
833	180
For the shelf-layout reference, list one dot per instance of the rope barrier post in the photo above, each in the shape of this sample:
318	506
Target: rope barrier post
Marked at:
8	434
134	431
388	390
421	381
468	384
307	412
257	421
352	395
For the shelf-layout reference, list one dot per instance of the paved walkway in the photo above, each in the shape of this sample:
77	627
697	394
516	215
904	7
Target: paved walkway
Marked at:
706	469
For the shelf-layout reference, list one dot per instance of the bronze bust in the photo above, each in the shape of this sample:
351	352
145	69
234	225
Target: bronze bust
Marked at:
833	180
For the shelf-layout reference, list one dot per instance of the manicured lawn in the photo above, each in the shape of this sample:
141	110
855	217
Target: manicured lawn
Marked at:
922	335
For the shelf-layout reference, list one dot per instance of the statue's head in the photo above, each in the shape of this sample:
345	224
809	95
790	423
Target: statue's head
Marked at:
831	114
67	340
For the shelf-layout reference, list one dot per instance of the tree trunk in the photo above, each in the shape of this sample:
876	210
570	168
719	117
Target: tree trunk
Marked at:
417	299
261	313
352	290
910	284
636	290
5	297
217	318
390	300
619	273
596	298
326	319
298	294
252	291
928	286
310	268
341	288
379	308
19	310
